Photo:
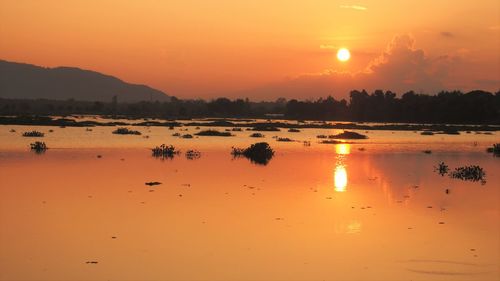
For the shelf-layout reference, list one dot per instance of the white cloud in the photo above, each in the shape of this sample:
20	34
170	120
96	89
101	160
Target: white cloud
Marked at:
354	7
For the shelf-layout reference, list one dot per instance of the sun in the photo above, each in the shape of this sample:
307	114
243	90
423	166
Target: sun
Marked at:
343	54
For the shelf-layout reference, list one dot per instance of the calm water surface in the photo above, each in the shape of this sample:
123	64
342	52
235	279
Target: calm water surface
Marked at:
319	212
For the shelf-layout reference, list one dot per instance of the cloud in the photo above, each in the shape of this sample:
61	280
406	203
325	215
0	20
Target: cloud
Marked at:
447	34
354	7
400	67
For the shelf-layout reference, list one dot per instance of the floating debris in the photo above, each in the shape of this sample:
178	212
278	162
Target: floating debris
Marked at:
36	134
187	136
284	139
176	135
294	130
236	130
152	183
306	143
91	262
214	133
193	154
259	153
125	131
165	151
427	151
427	133
12	130
38	146
361	149
322	136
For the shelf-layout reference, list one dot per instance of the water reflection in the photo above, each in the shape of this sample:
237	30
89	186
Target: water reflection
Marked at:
340	173
340	178
343	148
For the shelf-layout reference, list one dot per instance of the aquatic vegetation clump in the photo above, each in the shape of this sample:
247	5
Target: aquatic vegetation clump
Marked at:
450	132
469	173
256	135
259	153
125	131
265	129
442	169
165	151
214	133
495	149
293	130
348	135
33	133
330	142
193	154
284	139
38	146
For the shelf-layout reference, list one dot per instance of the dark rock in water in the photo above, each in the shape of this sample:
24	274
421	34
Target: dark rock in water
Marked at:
259	153
427	151
151	183
187	136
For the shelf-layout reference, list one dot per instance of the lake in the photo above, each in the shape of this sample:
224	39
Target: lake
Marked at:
372	209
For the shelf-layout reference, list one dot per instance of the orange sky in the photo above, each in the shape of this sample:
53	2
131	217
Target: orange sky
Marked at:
262	49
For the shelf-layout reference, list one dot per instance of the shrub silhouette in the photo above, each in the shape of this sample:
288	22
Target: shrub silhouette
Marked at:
256	135
38	146
348	135
495	149
125	131
214	133
258	153
33	134
164	151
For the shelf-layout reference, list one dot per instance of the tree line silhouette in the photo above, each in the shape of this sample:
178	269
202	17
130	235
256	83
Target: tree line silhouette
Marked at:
475	107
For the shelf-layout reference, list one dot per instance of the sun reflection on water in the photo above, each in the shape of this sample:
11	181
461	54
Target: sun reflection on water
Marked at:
343	148
340	173
340	179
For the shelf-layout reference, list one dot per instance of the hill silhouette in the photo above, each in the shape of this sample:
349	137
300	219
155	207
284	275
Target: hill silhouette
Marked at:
26	81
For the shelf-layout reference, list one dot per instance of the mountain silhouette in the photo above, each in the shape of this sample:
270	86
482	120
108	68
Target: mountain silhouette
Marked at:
26	81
